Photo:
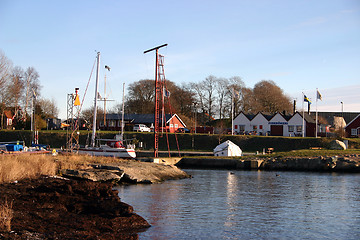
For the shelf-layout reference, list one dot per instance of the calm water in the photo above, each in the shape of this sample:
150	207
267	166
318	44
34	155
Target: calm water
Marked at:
220	204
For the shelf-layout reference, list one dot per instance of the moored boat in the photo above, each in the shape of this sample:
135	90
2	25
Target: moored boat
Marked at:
113	147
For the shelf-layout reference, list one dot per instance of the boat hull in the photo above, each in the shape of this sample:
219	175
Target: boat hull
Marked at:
119	153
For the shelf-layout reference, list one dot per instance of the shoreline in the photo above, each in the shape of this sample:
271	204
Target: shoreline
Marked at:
336	163
76	207
58	207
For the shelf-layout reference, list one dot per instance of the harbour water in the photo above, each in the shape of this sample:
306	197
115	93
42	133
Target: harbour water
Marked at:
222	204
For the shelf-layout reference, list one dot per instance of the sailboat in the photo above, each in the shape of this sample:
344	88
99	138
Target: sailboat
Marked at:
108	147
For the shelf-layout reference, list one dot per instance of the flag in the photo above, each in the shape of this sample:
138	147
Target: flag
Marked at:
318	95
77	100
306	99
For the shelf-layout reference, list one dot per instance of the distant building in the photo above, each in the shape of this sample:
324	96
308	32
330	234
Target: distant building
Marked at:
53	123
113	121
274	125
352	129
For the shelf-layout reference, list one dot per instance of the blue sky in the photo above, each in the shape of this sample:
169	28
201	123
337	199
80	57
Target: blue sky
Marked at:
300	45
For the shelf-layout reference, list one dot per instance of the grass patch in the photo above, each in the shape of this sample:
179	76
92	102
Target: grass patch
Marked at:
310	153
17	167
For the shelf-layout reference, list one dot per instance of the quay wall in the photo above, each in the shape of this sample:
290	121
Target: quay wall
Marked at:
349	163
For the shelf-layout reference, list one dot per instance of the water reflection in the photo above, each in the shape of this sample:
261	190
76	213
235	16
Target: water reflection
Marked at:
249	204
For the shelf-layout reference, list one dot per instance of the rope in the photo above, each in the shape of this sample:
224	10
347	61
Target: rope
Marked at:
82	102
171	113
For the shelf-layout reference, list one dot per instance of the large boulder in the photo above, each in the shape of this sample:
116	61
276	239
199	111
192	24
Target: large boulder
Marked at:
337	145
95	175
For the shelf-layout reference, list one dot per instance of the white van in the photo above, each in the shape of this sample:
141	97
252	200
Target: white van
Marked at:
141	128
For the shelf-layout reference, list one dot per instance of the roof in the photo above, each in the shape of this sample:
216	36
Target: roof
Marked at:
9	114
140	118
249	116
308	118
352	120
329	116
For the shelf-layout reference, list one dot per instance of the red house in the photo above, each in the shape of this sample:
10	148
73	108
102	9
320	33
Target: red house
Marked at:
353	128
113	121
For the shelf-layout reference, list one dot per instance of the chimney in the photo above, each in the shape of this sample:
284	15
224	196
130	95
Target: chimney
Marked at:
294	110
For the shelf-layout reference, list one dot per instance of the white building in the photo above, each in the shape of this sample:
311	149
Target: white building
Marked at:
242	124
274	125
260	124
279	125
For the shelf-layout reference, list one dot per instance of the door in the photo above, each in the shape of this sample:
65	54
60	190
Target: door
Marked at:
276	130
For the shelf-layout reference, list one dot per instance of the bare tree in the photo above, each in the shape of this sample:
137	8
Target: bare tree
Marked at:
209	94
140	98
48	108
235	91
222	89
32	86
5	72
15	87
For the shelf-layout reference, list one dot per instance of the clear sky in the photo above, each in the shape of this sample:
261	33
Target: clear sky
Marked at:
300	45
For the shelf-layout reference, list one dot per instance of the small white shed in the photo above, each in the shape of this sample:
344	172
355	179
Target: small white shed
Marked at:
227	148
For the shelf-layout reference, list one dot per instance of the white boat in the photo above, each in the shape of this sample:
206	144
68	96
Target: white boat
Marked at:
112	147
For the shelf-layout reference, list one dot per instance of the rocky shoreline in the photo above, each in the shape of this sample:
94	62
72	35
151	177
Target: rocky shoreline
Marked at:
345	163
80	204
56	208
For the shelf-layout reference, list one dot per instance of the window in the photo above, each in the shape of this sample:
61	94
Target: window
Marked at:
236	126
176	125
260	127
353	132
171	125
298	128
242	128
255	128
112	123
291	128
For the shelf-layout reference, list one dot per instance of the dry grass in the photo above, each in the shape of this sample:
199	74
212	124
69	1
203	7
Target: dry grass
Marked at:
17	167
6	215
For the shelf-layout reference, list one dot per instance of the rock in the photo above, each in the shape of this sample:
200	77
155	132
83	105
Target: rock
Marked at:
337	145
96	175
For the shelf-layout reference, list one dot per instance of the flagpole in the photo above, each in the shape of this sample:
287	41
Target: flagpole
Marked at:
303	122
316	115
232	112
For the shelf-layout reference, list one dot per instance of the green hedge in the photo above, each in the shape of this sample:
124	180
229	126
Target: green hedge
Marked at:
196	142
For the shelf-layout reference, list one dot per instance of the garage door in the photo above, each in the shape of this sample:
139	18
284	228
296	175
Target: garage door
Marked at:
276	130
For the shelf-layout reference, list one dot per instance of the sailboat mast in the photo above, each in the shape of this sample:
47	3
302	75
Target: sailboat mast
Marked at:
95	100
122	117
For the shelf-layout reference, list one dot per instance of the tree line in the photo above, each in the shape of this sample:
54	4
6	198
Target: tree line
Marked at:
209	99
203	101
20	95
